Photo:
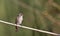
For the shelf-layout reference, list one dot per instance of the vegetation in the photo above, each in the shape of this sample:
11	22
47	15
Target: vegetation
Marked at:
40	14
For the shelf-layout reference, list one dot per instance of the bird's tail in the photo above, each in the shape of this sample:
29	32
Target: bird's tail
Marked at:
16	28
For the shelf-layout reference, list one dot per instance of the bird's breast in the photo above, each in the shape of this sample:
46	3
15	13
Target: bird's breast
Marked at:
20	18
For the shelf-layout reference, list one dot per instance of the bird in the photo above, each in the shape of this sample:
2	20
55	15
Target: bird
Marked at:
19	20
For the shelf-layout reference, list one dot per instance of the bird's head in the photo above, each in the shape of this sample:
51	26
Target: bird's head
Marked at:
20	14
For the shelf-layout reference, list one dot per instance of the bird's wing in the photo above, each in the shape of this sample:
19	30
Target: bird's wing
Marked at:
16	20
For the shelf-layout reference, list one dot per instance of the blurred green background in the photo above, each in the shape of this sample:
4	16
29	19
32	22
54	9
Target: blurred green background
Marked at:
33	17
